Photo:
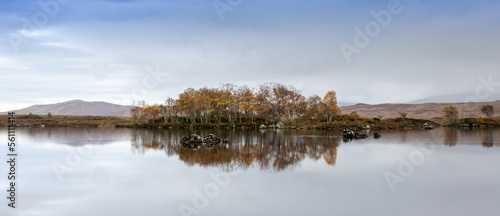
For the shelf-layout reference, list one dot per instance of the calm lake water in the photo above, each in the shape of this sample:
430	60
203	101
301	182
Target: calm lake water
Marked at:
71	171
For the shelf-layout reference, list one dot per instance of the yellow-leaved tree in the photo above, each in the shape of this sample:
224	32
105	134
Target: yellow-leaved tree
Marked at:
480	120
330	108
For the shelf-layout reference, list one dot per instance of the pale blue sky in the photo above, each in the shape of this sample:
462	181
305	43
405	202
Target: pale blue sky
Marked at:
100	50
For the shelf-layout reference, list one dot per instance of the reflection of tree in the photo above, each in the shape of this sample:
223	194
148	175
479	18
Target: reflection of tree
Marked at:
450	136
330	156
487	138
271	150
403	136
142	140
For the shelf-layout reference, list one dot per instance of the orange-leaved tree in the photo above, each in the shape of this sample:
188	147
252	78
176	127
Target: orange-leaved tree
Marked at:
488	111
150	112
314	107
450	114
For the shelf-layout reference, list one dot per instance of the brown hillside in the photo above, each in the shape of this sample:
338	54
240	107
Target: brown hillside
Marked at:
420	111
77	108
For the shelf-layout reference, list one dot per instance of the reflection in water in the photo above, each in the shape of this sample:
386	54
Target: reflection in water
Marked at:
403	136
268	150
450	136
74	136
487	138
460	180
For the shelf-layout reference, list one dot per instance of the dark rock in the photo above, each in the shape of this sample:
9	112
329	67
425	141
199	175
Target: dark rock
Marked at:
193	138
212	139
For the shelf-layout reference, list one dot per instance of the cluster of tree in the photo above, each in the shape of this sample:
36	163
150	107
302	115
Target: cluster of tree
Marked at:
451	114
230	103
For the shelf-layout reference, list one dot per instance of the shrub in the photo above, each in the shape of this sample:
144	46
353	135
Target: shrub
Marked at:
369	121
354	115
287	121
480	120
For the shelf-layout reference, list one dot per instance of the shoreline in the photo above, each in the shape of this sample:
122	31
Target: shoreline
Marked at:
36	121
43	121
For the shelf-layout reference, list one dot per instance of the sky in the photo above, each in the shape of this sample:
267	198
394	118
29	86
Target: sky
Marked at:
368	51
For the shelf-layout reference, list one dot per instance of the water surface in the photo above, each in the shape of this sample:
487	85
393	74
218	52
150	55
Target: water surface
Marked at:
71	171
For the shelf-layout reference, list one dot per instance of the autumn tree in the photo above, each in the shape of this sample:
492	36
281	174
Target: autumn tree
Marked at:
262	102
163	112
280	96
150	112
49	115
227	101
200	104
300	108
171	109
403	116
186	104
212	104
246	100
136	111
480	120
314	107
168	110
450	114
296	104
330	107
136	114
488	111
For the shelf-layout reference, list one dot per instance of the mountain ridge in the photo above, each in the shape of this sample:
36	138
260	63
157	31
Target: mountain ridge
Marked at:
420	111
76	107
79	107
455	98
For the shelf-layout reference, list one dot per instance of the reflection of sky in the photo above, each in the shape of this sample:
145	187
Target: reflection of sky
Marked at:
111	180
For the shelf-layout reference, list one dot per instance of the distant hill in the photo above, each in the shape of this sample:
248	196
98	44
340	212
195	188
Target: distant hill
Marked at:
421	111
453	98
343	104
77	108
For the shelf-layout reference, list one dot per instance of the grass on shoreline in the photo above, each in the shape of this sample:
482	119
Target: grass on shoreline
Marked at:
67	121
341	122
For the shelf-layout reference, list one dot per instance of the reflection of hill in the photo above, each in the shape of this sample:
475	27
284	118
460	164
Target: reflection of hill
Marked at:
74	136
269	150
